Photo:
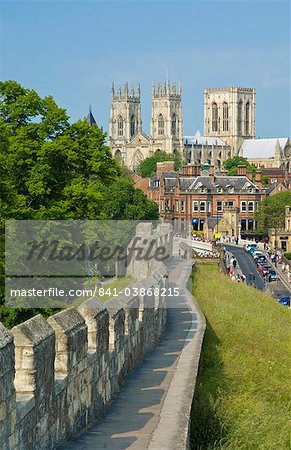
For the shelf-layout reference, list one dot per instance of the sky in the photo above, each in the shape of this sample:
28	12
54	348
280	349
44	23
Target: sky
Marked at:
74	50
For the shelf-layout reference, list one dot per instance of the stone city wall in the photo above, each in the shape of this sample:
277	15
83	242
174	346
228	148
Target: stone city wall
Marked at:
58	375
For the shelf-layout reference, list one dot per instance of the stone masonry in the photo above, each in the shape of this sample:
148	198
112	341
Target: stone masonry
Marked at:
57	376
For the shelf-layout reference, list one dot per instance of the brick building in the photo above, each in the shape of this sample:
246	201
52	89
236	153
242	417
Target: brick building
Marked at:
206	202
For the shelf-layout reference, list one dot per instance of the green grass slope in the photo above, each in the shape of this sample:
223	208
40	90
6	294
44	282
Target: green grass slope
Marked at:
243	391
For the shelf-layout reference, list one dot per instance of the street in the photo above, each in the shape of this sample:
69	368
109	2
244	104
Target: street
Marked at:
248	266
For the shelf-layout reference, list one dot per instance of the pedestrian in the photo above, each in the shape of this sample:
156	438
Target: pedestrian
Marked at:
234	262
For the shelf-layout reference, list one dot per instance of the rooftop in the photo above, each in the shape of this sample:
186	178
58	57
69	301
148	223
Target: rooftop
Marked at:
261	148
198	139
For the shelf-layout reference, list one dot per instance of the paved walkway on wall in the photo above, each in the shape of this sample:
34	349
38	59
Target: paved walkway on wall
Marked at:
137	413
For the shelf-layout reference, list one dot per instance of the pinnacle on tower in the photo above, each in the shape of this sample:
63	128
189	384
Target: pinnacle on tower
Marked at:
126	89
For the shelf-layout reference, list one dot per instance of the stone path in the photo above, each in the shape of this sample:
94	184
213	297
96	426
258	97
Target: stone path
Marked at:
135	412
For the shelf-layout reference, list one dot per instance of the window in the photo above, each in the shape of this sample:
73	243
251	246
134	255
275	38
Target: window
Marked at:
209	206
202	206
182	206
120	126
174	125
219	206
225	117
239	118
243	206
229	203
251	206
132	126
167	206
177	205
195	207
156	183
161	125
214	117
247	118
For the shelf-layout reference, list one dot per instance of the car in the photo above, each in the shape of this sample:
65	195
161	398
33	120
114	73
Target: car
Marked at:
273	275
261	260
251	246
285	301
252	250
266	270
257	253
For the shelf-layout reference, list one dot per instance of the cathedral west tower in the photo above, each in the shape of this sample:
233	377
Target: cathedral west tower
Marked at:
125	119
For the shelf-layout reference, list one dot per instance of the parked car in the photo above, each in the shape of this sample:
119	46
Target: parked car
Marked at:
251	246
260	260
252	250
285	301
273	275
266	270
257	253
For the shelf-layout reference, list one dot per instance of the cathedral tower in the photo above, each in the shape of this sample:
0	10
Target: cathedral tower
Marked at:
166	120
125	118
229	113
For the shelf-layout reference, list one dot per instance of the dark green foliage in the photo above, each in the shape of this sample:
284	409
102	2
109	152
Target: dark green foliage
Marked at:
232	164
271	211
51	169
148	166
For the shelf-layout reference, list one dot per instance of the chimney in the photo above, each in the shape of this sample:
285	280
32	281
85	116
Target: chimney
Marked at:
258	179
165	166
241	170
190	170
249	174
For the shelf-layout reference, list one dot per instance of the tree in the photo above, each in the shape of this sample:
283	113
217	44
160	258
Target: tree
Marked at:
231	165
271	211
51	169
148	167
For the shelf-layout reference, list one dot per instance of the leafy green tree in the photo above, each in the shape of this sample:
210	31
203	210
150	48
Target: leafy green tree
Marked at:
51	169
231	165
271	211
148	167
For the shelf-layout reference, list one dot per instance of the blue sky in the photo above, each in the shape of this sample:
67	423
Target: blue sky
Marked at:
74	50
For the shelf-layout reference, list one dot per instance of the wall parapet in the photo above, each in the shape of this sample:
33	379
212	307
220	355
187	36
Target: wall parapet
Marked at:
58	375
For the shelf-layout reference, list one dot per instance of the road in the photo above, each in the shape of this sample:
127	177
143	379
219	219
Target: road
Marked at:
248	266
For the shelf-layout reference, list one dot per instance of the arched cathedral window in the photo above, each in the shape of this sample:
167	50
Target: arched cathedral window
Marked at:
161	125
247	119
239	119
120	126
174	125
132	126
214	117
225	117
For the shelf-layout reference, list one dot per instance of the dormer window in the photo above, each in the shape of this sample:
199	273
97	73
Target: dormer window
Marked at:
219	190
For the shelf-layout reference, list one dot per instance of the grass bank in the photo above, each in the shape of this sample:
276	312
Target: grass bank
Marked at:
243	391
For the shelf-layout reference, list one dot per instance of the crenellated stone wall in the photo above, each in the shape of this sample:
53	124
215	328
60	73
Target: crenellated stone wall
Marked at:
58	375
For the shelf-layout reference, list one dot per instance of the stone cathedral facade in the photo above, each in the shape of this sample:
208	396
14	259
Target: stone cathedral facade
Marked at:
128	141
229	113
229	128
